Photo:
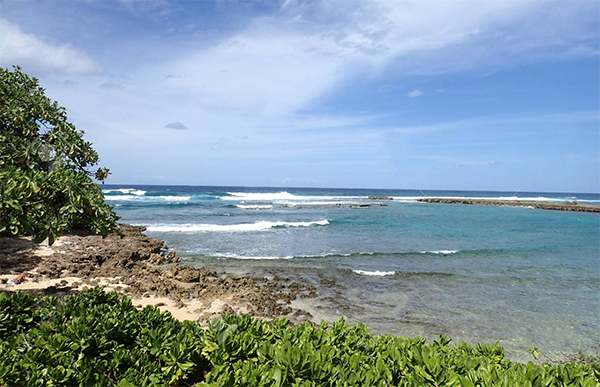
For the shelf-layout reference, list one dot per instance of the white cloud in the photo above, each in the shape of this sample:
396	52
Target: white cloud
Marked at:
268	73
284	63
281	64
265	88
424	37
567	118
415	94
38	56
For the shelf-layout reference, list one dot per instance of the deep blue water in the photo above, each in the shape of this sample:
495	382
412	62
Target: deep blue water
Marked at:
526	277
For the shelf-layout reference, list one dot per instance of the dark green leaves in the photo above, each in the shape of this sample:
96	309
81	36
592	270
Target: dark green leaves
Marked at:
274	354
45	186
99	338
95	338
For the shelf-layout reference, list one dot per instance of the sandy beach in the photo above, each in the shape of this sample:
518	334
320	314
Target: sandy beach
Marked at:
142	268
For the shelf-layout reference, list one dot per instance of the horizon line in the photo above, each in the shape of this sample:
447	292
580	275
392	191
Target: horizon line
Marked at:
349	188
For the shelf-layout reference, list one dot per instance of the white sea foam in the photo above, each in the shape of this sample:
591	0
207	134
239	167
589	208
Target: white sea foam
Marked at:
126	191
258	226
236	256
148	198
404	200
315	203
444	252
253	196
255	207
505	198
376	272
279	196
120	197
175	198
325	255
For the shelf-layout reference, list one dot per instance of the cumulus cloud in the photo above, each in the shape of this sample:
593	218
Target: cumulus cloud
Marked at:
415	94
34	54
176	125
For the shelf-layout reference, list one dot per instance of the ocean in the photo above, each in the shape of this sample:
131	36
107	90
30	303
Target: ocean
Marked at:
521	276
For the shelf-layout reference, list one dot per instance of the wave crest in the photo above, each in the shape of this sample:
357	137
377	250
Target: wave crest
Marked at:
443	252
254	207
237	256
148	198
258	226
374	272
281	196
126	191
257	196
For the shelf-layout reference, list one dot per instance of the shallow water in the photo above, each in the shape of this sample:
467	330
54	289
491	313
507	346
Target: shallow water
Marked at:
523	276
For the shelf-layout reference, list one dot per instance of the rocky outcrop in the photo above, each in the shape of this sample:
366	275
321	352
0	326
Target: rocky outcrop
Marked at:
379	197
140	267
516	203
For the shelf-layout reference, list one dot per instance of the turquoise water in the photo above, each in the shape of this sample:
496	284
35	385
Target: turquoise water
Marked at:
524	276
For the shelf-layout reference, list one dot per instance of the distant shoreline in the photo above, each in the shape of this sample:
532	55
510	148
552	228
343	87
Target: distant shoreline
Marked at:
516	203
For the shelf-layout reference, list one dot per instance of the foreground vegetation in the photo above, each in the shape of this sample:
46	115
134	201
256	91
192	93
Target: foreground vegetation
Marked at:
99	338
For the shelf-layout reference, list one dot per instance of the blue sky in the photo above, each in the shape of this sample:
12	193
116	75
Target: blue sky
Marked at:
475	95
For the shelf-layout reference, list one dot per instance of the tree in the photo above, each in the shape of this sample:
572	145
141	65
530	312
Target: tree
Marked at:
46	186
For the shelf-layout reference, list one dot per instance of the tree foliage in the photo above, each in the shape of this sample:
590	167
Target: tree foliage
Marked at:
46	185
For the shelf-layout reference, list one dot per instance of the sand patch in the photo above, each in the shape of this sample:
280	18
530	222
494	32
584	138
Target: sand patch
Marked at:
142	268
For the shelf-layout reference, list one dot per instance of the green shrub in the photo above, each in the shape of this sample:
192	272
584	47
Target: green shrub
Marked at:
246	352
46	187
99	338
95	338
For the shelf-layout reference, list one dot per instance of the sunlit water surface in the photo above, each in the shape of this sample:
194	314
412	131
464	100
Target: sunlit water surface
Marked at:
523	276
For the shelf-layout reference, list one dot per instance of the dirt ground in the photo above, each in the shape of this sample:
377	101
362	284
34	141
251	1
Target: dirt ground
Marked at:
140	267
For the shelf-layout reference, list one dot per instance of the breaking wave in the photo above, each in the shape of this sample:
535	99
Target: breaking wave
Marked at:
147	198
126	191
338	255
375	272
279	196
443	252
258	226
254	207
237	256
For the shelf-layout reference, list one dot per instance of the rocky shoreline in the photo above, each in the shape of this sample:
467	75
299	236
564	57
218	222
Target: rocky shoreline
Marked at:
141	267
567	206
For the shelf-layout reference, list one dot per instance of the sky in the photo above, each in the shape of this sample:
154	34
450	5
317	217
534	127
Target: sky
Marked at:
468	95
